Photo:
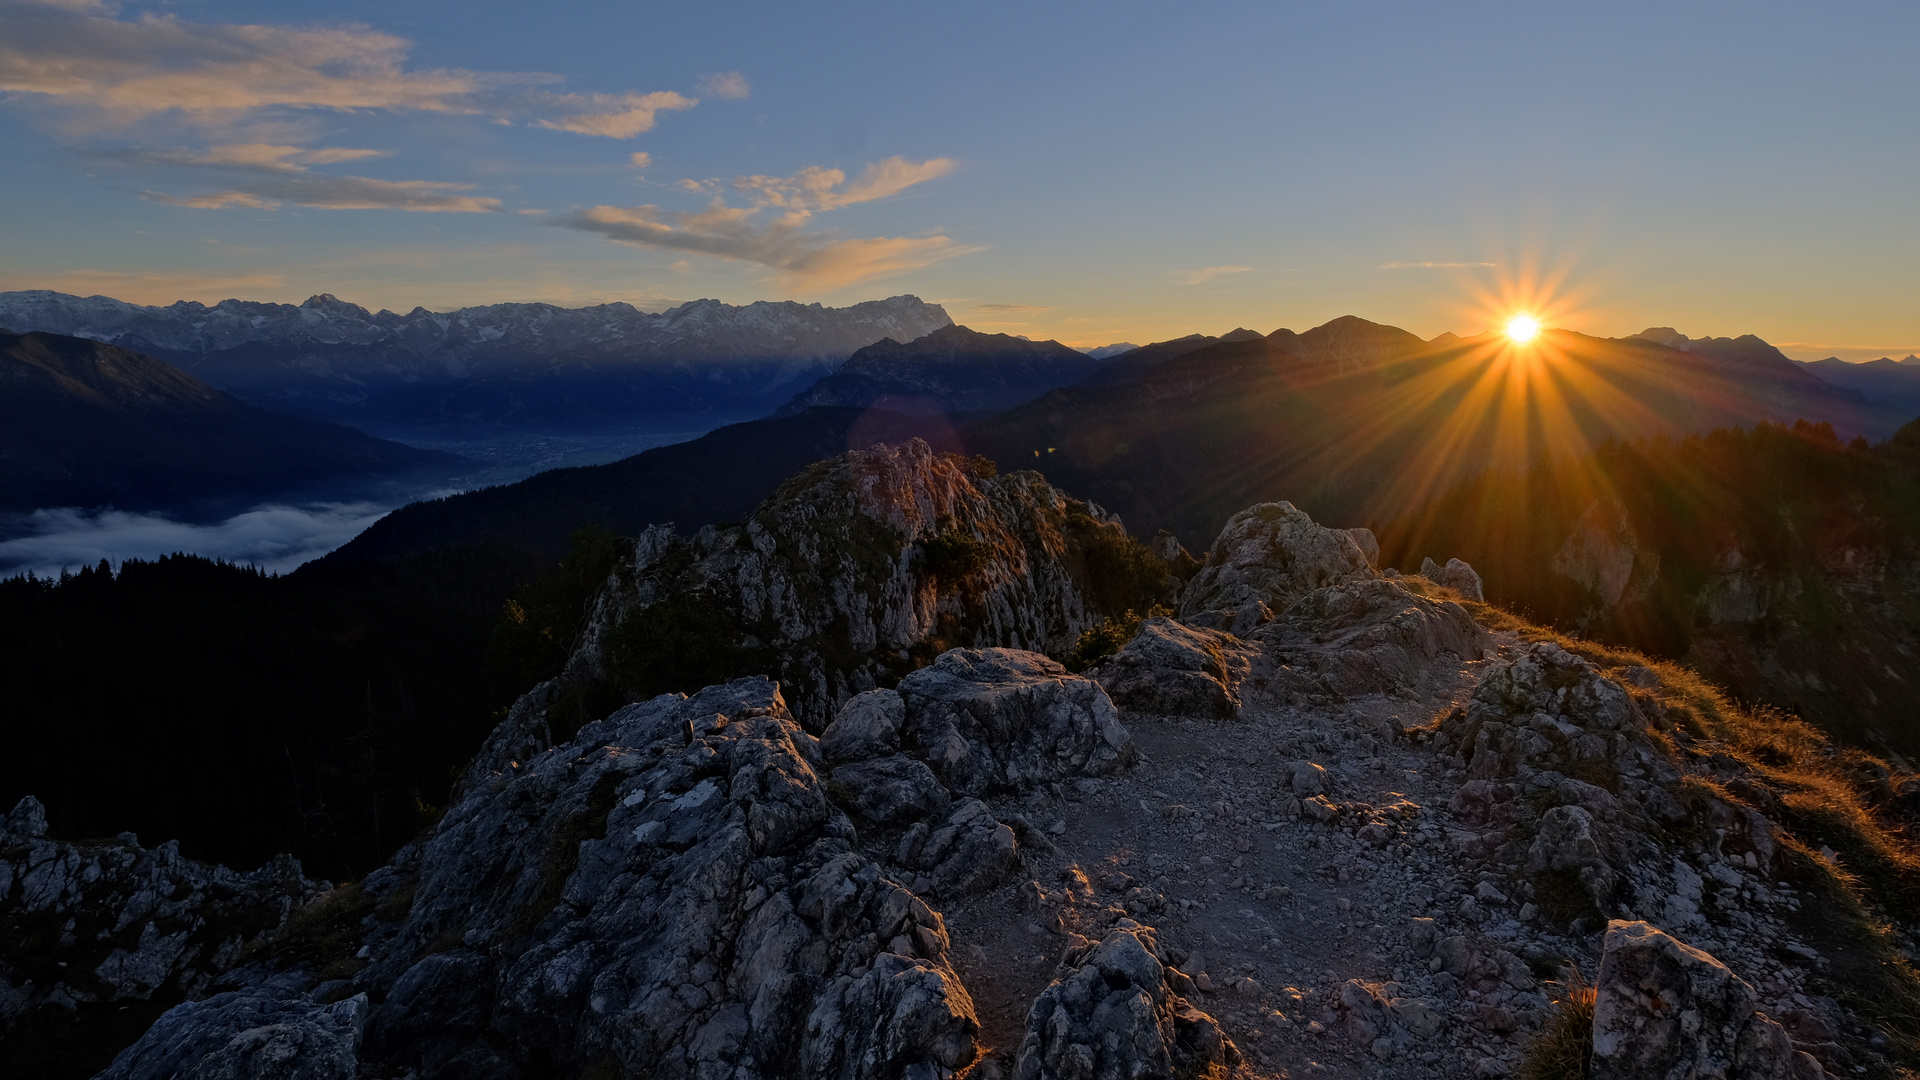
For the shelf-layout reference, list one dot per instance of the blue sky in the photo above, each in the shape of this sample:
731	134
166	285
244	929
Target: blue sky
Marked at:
1091	172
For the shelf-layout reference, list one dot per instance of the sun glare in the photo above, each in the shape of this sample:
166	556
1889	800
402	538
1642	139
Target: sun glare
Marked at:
1522	328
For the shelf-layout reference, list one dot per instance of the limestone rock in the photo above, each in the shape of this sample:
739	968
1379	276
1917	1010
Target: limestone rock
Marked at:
868	725
847	568
133	920
1001	719
1119	1011
1458	575
1169	669
260	1034
1603	554
1565	841
892	789
1662	1008
967	853
669	894
1373	636
1272	553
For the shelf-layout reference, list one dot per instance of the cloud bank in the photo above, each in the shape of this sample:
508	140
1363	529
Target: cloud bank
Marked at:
273	537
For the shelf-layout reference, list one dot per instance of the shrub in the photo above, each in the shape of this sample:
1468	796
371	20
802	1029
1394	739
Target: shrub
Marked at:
951	556
1109	637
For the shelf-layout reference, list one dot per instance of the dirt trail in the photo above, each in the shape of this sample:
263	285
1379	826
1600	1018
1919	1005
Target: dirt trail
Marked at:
1204	839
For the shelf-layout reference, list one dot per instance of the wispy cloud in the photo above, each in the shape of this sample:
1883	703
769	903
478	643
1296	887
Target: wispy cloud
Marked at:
814	188
107	73
727	85
641	159
1434	265
340	193
802	259
272	537
145	288
616	116
1202	276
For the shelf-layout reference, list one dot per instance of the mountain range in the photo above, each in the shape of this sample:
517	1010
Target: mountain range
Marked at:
1353	420
88	424
499	365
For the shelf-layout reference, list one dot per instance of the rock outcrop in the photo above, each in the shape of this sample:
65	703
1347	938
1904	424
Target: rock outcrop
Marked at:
1662	1008
262	1034
1269	555
1458	575
850	576
117	922
1170	669
1121	1010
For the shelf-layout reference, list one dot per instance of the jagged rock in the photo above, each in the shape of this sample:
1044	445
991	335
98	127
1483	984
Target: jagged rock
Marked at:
967	853
1457	575
1173	670
1664	1009
121	921
1120	1010
890	789
1272	553
1373	636
671	894
846	570
989	719
1369	545
249	1035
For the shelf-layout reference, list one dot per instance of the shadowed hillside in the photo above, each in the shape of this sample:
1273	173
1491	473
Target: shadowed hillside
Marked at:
86	424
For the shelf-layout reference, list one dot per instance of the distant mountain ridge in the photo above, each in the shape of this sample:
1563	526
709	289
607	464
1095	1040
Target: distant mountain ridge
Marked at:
88	424
333	359
1896	382
953	370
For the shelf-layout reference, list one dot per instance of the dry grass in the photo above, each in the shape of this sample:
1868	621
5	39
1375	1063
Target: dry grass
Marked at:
1820	795
1564	1048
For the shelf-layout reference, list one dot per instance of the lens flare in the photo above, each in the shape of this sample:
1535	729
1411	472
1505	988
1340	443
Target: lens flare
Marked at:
1523	328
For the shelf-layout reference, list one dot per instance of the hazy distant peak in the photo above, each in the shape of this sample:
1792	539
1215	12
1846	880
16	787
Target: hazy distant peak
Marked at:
1445	338
1664	335
1241	333
1108	352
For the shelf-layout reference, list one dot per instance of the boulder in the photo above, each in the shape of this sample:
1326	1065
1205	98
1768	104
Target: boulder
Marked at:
889	790
1373	636
1002	719
967	853
1120	1010
1664	1009
1169	669
261	1034
1272	553
1457	575
1566	840
868	725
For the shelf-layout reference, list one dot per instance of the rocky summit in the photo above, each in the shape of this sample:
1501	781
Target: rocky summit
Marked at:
1327	820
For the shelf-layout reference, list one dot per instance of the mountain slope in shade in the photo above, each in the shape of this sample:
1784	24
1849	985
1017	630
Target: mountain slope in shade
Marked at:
720	476
1895	382
87	424
326	357
952	370
1131	365
1354	420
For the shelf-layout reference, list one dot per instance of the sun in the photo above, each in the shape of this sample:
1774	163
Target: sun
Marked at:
1523	328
